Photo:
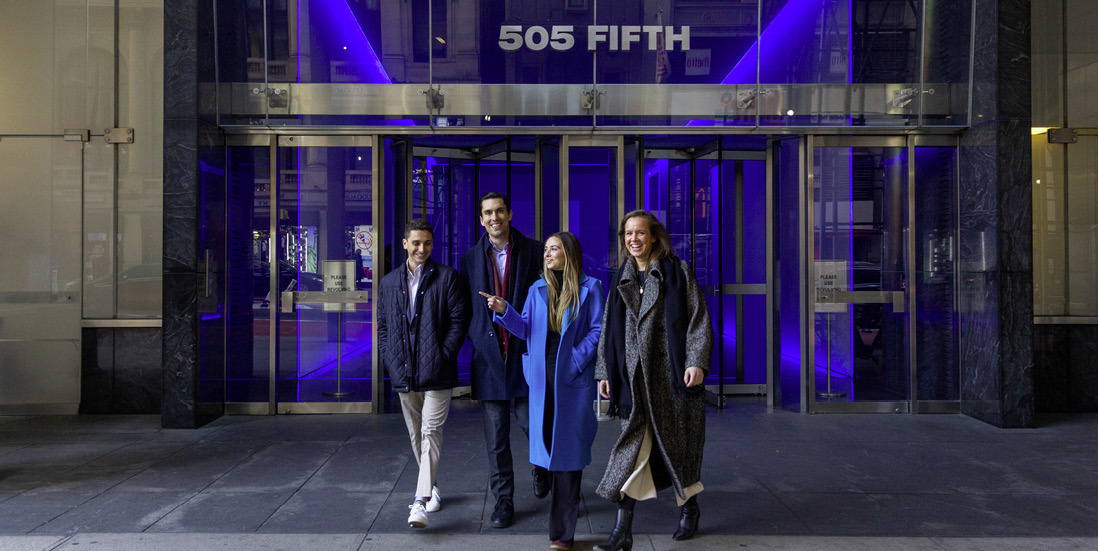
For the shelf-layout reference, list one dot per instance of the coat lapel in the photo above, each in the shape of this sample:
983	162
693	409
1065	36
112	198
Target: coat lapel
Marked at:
651	290
628	288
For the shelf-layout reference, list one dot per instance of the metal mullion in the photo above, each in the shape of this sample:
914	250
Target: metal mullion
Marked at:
508	172
955	243
620	191
719	212
564	160
266	76
805	204
409	176
922	62
741	330
771	354
640	175
377	208
690	214
539	190
274	317
909	258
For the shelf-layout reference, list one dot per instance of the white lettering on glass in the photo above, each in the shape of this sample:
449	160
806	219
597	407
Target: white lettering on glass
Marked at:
610	37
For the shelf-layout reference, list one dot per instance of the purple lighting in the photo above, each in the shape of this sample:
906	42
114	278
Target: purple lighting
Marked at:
795	21
338	26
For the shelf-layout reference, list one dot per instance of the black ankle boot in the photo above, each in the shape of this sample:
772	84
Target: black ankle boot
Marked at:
688	522
621	539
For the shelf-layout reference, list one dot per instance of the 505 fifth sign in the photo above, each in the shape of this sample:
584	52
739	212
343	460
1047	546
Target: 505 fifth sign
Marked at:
610	37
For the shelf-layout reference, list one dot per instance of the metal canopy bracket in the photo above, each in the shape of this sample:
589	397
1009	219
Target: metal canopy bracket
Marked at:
118	135
589	99
1063	135
435	100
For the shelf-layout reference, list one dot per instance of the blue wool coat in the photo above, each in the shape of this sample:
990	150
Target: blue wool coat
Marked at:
574	424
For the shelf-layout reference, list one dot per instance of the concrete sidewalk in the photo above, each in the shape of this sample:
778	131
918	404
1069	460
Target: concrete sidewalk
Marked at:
505	542
774	480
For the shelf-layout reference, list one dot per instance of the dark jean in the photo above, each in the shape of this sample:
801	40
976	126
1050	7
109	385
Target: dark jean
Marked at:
564	504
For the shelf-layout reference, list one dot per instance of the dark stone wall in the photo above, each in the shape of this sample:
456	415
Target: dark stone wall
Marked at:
1066	359
190	133
118	374
995	241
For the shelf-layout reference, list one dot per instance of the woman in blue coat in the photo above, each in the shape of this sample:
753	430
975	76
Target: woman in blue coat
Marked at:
560	323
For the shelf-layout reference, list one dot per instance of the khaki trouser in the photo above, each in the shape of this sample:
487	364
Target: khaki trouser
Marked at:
424	414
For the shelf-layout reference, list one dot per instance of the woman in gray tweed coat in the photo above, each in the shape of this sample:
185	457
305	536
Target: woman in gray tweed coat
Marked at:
653	355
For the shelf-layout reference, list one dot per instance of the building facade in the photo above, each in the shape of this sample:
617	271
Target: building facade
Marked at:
850	179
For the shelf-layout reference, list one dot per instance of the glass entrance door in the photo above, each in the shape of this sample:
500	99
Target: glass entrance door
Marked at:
595	195
860	358
302	239
716	203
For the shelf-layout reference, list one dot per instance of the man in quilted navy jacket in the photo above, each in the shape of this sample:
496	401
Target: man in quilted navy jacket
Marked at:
422	317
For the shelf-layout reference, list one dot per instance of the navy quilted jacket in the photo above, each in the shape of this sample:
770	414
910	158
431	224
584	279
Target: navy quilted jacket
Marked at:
437	329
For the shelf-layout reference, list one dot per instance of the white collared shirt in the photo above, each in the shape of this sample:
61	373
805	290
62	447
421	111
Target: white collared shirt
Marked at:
413	277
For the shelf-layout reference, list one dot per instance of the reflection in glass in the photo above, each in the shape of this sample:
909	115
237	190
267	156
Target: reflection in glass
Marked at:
860	220
935	309
592	208
250	298
325	215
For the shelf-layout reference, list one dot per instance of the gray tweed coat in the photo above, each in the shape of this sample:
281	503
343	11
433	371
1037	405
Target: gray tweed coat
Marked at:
677	421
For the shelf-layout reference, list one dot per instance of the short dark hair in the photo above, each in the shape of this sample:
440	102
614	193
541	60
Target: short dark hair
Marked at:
418	224
492	195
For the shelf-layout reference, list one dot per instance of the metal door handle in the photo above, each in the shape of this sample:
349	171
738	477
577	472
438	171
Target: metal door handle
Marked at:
862	297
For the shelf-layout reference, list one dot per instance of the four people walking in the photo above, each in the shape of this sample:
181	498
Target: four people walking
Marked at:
647	343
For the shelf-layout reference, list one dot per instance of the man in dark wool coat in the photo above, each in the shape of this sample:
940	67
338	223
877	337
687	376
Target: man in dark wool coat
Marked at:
503	263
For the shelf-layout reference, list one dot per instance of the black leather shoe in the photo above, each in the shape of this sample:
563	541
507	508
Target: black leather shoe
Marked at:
688	522
541	482
504	515
621	538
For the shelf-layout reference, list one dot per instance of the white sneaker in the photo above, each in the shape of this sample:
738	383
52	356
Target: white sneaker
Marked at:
436	501
417	518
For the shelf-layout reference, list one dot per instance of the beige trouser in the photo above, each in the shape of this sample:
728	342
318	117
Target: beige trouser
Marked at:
424	414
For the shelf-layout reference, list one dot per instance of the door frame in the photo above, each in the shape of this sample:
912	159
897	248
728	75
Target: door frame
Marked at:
913	404
278	298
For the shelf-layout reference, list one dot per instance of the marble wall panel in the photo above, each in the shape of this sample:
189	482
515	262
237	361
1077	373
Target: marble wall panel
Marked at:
1015	197
207	64
1014	59
979	337
1016	349
180	351
978	200
180	196
138	375
181	51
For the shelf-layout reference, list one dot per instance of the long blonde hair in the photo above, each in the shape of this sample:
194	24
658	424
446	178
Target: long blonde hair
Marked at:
560	299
